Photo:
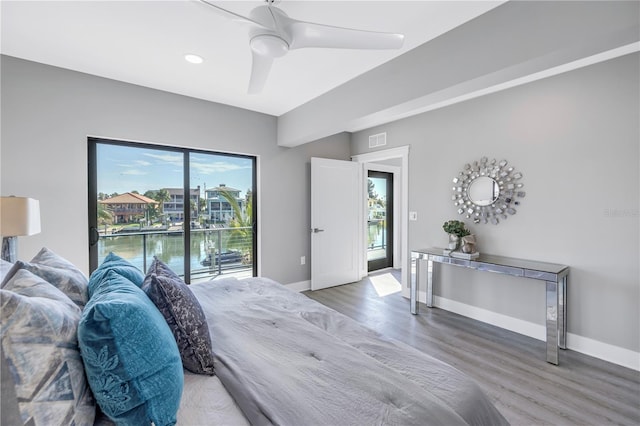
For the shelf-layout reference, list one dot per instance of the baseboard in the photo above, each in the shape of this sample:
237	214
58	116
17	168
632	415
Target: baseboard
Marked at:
614	354
300	286
527	328
604	351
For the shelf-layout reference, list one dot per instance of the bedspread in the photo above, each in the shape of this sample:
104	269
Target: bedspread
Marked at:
289	360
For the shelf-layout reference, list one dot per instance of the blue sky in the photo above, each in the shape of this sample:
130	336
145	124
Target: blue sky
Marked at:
124	169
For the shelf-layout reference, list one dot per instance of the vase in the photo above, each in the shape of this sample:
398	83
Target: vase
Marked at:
469	244
454	242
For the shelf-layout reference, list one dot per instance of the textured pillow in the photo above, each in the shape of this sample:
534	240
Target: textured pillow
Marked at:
57	271
4	268
122	267
160	268
184	315
130	356
39	342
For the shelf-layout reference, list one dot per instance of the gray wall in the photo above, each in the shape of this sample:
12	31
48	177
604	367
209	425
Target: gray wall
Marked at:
575	138
48	112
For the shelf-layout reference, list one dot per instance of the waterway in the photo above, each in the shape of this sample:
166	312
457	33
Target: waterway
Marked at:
168	247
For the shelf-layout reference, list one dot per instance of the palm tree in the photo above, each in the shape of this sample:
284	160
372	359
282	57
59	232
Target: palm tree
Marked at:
152	212
202	210
161	196
241	237
104	214
194	209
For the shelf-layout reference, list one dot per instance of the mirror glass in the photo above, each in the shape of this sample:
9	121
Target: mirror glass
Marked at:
483	191
487	191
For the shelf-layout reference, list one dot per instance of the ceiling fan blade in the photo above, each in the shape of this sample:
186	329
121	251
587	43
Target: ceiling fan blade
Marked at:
308	34
260	68
236	17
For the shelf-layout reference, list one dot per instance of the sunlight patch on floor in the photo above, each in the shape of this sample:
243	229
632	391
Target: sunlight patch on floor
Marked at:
385	284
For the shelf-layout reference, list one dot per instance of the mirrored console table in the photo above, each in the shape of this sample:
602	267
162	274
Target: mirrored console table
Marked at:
553	275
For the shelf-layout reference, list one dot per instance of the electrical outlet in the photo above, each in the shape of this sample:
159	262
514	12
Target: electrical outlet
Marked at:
413	215
303	260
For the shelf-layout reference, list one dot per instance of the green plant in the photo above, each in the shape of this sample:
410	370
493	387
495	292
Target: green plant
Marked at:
456	227
241	235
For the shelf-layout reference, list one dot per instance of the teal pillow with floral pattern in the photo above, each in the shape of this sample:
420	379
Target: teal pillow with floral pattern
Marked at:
119	265
130	356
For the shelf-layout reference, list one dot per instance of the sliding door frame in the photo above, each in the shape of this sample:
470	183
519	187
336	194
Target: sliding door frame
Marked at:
93	196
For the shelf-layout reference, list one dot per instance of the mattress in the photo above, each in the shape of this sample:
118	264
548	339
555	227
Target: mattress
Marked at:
205	401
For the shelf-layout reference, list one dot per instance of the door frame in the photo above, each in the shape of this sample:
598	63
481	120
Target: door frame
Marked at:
401	256
395	171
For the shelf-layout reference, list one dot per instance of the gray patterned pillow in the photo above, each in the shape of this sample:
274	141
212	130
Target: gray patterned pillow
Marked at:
5	267
184	315
161	269
57	271
39	342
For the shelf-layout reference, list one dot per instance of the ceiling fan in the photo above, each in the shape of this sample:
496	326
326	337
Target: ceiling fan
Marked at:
272	33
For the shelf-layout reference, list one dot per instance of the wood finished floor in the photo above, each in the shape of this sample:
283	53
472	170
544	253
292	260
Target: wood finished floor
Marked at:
510	367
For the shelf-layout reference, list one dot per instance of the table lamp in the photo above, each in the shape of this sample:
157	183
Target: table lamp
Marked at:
19	216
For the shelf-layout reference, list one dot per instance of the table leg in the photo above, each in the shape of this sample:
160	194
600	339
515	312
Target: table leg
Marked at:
430	282
552	322
415	279
562	313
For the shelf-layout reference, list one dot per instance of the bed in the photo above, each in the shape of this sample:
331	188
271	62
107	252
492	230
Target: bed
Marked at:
286	359
263	354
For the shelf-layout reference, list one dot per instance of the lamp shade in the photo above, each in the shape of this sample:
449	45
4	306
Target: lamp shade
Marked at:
19	216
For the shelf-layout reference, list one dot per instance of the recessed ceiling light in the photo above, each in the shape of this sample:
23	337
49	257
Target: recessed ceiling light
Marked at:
194	59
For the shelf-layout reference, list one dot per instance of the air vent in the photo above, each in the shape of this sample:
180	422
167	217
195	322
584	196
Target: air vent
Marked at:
377	140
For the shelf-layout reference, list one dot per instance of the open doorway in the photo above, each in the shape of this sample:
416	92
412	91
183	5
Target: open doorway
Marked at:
379	220
395	161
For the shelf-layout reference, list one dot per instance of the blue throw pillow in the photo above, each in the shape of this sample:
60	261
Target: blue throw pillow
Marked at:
130	356
122	267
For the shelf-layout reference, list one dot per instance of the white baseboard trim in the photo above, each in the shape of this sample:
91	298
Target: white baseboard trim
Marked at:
604	351
614	354
300	286
527	328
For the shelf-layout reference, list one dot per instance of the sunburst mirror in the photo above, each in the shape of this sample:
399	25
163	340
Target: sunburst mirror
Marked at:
487	191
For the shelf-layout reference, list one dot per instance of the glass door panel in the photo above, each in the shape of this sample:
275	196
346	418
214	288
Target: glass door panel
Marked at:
133	212
380	220
222	215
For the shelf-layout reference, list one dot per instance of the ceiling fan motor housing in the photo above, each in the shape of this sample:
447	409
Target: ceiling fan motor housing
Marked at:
270	45
274	43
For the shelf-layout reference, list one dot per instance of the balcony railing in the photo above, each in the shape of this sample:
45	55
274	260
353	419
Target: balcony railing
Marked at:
214	252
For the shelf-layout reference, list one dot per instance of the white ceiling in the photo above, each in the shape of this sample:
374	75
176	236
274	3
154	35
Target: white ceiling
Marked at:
144	42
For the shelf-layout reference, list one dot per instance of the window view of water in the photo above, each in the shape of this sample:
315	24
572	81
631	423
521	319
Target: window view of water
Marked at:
210	252
143	206
377	234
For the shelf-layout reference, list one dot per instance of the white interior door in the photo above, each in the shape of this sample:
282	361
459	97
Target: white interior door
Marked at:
335	222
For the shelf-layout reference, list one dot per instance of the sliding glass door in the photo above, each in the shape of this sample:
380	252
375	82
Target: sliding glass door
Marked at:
194	210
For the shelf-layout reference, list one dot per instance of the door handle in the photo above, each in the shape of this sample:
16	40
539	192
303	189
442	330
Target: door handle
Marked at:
316	230
94	236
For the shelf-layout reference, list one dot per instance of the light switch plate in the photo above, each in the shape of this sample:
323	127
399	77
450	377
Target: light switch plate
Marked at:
413	215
